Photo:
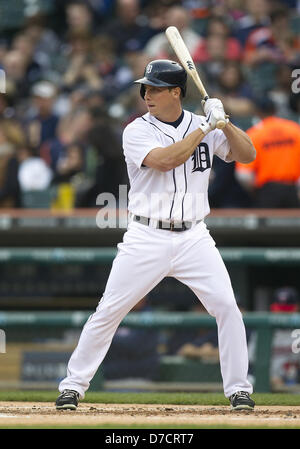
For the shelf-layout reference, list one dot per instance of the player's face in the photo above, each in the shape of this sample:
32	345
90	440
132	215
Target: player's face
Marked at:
163	103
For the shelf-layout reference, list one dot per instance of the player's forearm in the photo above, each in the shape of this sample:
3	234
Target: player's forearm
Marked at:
167	158
241	146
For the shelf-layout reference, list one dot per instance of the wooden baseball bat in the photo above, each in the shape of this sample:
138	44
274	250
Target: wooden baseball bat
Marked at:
186	60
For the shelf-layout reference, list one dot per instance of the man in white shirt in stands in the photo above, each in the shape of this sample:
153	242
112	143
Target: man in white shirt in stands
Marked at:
169	153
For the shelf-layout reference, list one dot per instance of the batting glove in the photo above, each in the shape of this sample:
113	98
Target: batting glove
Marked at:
214	112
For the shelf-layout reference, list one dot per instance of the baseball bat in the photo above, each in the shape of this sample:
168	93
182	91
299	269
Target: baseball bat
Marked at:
186	60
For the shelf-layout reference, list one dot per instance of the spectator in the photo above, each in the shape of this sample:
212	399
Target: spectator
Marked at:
232	10
275	173
71	177
114	74
33	173
106	164
268	47
73	127
79	18
231	46
42	124
130	29
25	45
6	104
273	44
157	12
91	132
256	16
16	67
204	343
70	163
51	150
103	9
235	92
94	99
158	46
215	50
80	71
204	347
46	44
11	138
129	104
214	63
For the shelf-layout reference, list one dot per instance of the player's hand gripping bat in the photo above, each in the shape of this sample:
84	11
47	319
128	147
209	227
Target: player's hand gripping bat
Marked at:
186	60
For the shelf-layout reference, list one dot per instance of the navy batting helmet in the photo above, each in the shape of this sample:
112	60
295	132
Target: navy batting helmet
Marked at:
163	73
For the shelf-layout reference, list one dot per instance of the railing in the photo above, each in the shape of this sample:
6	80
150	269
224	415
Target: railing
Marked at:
106	255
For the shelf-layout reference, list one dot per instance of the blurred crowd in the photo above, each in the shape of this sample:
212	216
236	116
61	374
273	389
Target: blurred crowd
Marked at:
69	93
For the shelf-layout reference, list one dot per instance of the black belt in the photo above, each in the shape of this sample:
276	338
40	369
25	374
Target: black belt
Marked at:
174	226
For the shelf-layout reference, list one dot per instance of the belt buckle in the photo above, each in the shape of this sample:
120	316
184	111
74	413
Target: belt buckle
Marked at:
172	225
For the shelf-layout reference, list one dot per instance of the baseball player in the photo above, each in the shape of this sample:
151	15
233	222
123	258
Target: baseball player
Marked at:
169	153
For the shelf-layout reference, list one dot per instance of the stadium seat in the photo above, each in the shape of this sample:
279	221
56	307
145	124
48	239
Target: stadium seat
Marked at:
37	199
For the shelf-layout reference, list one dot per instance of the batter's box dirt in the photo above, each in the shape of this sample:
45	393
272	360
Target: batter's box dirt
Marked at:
39	414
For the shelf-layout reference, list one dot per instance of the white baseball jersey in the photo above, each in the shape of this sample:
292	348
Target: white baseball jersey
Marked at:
178	194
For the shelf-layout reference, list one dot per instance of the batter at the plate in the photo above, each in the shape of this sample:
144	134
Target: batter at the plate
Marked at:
169	153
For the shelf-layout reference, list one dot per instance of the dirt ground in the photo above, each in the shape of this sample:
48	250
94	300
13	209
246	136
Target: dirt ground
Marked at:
44	414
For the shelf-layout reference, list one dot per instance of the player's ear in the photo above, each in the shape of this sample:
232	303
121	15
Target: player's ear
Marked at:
176	92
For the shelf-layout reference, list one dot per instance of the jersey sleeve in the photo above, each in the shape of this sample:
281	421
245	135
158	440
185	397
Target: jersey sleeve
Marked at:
138	141
221	145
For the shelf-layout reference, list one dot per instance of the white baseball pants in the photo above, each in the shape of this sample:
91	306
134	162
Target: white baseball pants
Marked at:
144	258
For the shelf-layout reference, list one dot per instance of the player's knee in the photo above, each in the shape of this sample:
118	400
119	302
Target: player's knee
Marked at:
112	309
226	305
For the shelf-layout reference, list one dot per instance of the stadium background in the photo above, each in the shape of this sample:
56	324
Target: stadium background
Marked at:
69	69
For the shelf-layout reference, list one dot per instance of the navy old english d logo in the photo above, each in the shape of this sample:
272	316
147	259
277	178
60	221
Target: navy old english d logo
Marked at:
149	68
201	158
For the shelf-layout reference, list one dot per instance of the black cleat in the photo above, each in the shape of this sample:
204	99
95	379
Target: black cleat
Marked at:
241	401
67	400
